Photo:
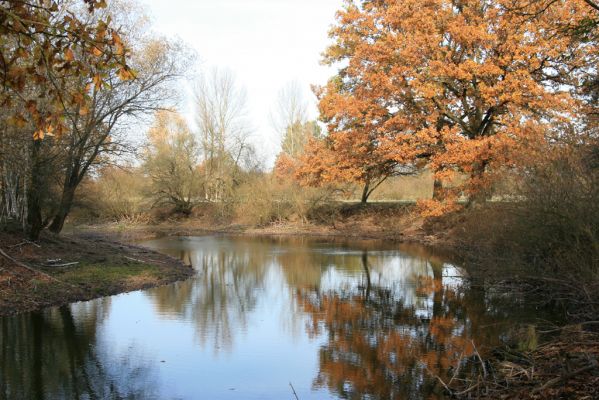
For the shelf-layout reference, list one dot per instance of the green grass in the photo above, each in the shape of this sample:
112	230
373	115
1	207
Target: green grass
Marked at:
108	278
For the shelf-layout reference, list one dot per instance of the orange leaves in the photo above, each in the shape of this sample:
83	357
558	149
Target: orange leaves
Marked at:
125	74
97	79
38	58
69	55
428	82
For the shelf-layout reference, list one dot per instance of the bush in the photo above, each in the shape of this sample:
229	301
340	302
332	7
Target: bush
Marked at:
554	223
267	199
116	195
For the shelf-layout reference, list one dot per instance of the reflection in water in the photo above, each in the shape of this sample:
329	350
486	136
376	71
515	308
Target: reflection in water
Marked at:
384	343
222	296
360	320
56	355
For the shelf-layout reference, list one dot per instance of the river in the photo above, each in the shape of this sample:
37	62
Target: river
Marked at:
267	318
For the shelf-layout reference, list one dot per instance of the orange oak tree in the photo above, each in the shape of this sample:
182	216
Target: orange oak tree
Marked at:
460	85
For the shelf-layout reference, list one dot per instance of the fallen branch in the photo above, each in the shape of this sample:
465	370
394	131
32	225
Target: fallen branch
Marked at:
24	243
136	260
61	265
565	377
145	261
27	267
440	381
482	363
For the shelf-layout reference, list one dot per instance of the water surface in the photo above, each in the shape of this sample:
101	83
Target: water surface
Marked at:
337	320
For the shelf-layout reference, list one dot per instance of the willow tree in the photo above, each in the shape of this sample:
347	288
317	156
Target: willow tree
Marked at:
460	85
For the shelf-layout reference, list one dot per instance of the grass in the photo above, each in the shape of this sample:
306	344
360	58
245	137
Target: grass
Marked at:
100	268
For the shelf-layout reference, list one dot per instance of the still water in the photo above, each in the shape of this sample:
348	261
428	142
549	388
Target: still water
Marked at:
336	320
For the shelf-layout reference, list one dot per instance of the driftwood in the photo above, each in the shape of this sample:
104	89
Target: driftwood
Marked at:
143	261
24	243
61	265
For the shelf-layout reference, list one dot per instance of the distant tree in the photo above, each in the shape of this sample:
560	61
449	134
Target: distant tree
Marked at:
290	117
171	160
221	116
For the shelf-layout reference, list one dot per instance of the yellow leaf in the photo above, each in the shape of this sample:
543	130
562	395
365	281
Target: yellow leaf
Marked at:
98	81
50	130
38	135
69	55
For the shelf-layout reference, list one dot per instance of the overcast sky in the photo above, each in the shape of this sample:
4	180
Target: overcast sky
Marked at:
266	43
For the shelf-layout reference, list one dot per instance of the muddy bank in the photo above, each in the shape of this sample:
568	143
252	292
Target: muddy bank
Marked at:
76	267
394	223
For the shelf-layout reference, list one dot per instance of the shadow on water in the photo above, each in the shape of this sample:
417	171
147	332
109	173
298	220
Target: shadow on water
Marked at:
342	320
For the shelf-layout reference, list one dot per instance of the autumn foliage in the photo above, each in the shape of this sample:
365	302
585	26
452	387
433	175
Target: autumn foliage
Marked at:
460	86
42	46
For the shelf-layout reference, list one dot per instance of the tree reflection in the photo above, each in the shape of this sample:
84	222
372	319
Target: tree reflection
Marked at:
55	354
219	299
381	344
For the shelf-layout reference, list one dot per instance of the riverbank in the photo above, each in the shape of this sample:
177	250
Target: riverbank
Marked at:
389	222
559	361
58	270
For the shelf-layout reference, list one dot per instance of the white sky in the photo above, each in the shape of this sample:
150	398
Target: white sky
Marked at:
265	43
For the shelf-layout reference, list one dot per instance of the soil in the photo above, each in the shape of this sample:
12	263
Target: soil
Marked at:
57	270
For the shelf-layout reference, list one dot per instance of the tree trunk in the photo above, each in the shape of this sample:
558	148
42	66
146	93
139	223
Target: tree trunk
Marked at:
438	190
35	221
366	192
479	196
66	202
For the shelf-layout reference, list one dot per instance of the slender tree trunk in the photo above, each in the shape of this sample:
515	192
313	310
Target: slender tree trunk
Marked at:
366	192
66	202
437	189
34	196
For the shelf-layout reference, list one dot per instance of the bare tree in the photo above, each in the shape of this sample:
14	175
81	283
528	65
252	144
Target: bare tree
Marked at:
290	117
99	130
221	117
171	159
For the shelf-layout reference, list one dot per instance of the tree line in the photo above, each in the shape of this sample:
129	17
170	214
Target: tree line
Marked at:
485	94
